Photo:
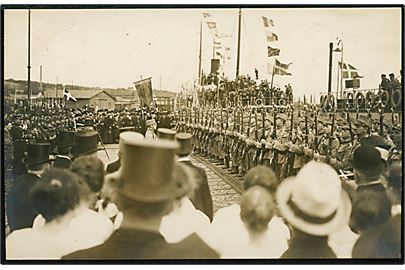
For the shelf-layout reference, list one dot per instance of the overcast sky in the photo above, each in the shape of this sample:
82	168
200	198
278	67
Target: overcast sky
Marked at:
113	48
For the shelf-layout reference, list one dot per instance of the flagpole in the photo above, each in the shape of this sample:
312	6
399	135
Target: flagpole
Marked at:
238	53
341	72
29	58
199	56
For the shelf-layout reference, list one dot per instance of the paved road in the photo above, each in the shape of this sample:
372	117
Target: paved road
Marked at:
224	192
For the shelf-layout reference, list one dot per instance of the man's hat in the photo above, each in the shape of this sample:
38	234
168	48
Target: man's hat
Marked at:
146	168
86	142
165	133
364	121
281	116
184	141
124	129
150	122
368	159
37	153
314	201
65	139
345	137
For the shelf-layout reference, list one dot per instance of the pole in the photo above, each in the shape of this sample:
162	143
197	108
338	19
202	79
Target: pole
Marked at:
238	54
40	78
29	58
341	73
330	68
199	56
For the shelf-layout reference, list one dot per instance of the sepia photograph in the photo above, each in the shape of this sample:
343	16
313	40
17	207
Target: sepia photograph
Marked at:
216	134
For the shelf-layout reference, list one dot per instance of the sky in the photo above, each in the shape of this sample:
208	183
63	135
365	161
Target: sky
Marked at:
115	47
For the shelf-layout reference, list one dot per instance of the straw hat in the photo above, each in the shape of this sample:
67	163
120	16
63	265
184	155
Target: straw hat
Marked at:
314	201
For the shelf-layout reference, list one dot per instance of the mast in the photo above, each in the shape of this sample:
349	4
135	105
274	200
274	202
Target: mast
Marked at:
238	54
29	58
199	56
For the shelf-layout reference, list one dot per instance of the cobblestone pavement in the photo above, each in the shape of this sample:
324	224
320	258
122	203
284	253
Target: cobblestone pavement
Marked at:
223	194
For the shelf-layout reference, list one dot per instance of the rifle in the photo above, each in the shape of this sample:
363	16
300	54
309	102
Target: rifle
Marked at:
331	135
315	148
350	127
291	155
381	112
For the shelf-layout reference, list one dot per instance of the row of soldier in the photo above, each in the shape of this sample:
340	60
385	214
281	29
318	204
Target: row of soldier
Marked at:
288	138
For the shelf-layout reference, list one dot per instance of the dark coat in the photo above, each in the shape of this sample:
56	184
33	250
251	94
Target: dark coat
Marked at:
113	166
309	246
382	241
202	199
20	211
130	244
63	162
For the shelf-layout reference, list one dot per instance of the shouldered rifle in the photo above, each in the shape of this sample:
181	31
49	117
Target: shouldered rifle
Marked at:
350	127
381	112
274	122
256	127
331	135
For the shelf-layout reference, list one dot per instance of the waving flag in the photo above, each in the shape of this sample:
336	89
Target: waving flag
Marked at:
267	22
206	15
271	37
281	65
272	51
68	96
349	71
212	25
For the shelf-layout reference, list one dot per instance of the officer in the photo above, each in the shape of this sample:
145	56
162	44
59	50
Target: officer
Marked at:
151	127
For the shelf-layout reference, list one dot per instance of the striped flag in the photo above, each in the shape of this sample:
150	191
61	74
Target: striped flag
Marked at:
267	22
272	51
271	37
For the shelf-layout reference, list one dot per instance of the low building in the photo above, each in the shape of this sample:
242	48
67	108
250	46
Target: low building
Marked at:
99	99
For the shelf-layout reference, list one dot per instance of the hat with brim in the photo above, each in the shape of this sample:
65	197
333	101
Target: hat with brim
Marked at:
367	159
37	154
314	201
147	168
65	139
166	133
185	144
86	142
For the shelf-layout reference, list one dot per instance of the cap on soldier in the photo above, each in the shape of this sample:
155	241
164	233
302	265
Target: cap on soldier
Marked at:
345	137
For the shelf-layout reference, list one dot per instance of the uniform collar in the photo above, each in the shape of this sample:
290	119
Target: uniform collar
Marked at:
182	159
36	173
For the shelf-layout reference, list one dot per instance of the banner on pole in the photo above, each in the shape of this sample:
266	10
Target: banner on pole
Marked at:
144	90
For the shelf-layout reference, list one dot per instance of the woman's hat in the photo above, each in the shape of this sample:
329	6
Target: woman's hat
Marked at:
165	133
314	201
146	168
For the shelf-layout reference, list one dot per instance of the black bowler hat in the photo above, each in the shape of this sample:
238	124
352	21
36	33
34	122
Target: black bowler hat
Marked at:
37	153
86	142
368	159
65	139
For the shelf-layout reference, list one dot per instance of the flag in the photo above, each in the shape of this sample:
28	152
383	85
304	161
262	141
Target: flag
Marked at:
281	65
212	25
206	15
349	71
144	90
217	43
280	71
219	54
271	37
267	22
227	49
68	96
272	51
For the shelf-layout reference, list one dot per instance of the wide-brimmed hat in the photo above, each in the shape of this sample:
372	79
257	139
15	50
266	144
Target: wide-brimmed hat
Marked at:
37	153
65	139
86	142
184	141
146	168
368	159
165	133
314	201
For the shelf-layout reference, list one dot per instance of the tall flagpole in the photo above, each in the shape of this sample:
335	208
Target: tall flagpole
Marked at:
238	54
341	72
29	58
199	56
